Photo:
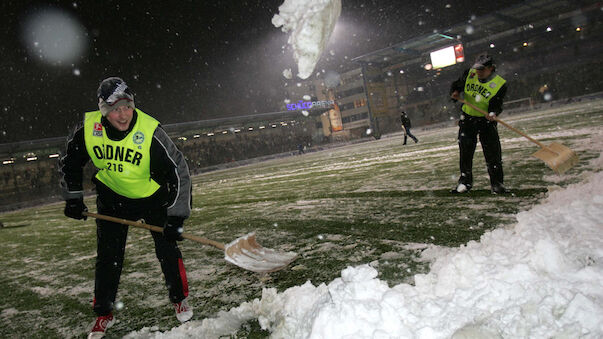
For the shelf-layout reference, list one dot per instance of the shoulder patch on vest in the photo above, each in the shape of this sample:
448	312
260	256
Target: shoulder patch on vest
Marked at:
138	138
98	130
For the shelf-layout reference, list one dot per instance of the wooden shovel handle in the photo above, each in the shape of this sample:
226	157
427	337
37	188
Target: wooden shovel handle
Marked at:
158	229
505	124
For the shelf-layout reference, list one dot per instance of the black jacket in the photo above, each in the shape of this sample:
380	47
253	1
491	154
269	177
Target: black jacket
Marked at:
496	103
405	121
168	168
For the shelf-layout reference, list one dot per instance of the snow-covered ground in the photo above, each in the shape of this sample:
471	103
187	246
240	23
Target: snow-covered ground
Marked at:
540	278
536	274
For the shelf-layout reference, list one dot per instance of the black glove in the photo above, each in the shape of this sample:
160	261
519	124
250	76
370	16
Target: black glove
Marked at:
75	207
173	229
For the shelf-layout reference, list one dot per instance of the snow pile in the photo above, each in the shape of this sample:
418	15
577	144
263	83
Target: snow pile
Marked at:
311	23
542	278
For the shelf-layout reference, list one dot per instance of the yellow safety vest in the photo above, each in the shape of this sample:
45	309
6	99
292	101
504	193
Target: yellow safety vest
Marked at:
124	165
479	94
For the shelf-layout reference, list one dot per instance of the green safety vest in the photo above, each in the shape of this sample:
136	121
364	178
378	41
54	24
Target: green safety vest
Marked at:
479	94
124	165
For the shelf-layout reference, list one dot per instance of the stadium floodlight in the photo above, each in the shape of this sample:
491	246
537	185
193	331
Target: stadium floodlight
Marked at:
443	57
447	56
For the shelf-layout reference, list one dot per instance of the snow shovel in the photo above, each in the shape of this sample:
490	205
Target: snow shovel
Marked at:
244	252
558	157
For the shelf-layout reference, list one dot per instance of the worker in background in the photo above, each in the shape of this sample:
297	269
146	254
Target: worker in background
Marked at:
482	87
406	125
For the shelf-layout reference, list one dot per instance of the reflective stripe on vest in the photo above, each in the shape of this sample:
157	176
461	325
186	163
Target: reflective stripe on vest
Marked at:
479	94
124	165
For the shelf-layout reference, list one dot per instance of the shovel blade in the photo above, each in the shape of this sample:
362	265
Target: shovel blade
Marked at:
558	157
246	253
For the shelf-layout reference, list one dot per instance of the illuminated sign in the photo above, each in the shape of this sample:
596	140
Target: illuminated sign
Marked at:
459	53
309	104
336	122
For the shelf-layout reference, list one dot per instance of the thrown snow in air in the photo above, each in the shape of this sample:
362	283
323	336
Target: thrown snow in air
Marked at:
540	278
311	23
287	73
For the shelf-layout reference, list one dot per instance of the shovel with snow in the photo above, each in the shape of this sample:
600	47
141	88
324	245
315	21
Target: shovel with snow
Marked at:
558	157
244	251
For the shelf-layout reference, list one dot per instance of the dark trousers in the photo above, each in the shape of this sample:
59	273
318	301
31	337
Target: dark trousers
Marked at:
408	134
469	129
111	245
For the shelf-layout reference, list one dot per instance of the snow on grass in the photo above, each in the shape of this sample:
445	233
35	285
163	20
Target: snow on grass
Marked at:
376	202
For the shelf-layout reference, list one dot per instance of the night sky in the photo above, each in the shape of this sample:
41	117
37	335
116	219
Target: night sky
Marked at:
186	60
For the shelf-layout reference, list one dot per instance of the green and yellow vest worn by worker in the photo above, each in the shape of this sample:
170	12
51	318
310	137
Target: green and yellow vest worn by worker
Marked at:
479	94
124	165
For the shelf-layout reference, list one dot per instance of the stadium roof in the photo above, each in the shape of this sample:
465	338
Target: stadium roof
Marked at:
504	23
409	49
9	150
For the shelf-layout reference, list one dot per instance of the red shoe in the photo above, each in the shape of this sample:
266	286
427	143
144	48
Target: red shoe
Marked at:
184	312
100	327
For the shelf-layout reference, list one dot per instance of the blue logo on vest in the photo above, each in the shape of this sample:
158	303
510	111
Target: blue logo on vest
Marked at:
138	138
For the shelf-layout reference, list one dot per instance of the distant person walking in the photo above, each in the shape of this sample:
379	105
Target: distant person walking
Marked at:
483	88
406	128
141	175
